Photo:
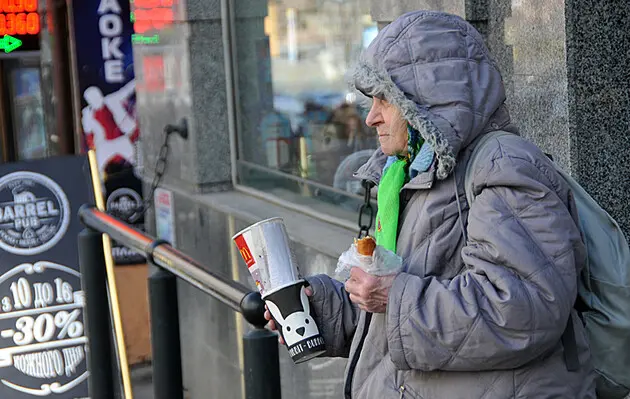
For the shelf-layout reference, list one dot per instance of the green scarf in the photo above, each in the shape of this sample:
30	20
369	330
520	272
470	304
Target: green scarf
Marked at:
395	176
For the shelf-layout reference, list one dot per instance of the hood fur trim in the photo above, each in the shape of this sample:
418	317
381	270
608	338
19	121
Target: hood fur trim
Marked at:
371	81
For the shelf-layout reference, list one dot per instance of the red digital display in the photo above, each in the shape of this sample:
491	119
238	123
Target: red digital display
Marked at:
15	6
19	24
19	17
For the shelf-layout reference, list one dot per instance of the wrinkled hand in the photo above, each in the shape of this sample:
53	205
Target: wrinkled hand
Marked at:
272	325
368	291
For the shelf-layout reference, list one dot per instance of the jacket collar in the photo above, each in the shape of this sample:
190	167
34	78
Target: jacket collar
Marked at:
372	171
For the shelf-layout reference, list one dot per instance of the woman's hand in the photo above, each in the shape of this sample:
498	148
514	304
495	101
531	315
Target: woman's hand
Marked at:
272	325
368	291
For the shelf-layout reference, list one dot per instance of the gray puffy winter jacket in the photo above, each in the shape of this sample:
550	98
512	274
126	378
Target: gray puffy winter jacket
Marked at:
481	318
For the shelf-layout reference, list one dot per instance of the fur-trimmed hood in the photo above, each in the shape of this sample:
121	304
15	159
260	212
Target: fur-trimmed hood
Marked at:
437	70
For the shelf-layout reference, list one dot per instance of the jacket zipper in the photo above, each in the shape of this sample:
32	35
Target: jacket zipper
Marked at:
355	359
402	391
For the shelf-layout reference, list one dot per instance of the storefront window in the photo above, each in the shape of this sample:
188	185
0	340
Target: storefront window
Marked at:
28	114
301	132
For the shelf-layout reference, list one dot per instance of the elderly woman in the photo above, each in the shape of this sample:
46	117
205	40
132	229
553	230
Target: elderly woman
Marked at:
473	315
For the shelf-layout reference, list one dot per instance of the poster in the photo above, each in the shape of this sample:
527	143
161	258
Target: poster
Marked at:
164	216
43	346
103	31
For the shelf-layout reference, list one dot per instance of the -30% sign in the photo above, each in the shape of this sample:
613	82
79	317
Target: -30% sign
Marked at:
46	327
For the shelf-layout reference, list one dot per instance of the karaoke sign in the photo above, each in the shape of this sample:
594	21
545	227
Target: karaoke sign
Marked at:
107	84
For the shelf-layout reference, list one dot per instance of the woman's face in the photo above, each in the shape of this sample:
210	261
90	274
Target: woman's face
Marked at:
390	125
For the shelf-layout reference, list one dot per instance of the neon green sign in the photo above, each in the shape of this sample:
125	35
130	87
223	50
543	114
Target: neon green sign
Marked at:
137	38
9	43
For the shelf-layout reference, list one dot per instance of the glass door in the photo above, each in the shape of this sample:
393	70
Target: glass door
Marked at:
27	113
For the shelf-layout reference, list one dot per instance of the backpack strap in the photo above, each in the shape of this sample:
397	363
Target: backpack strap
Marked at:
474	160
569	343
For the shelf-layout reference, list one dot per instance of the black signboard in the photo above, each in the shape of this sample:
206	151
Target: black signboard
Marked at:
43	345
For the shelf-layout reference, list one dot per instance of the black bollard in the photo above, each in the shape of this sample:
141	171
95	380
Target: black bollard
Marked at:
165	341
97	318
262	365
260	352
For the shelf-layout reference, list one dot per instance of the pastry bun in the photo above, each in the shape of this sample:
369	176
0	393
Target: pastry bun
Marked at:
365	246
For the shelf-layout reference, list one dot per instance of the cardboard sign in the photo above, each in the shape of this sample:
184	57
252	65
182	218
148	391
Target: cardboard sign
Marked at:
43	346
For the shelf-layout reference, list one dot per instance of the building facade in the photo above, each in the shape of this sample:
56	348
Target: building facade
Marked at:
274	131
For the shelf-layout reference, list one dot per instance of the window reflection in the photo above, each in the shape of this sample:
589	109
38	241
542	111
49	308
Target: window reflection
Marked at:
314	130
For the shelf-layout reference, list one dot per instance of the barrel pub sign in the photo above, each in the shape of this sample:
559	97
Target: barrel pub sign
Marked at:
42	336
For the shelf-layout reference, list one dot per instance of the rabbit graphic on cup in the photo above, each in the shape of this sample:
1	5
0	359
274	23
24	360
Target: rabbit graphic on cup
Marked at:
297	326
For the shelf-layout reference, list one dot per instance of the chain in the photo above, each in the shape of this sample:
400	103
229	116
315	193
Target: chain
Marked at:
366	210
159	170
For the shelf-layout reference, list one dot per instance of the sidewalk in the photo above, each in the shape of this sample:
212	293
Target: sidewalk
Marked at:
142	381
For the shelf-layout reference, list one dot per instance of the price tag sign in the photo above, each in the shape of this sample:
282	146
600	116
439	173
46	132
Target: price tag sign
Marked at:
43	345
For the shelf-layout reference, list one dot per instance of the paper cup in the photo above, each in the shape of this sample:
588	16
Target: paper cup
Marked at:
290	309
265	249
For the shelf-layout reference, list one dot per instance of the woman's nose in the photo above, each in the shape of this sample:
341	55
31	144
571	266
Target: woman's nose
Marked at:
374	117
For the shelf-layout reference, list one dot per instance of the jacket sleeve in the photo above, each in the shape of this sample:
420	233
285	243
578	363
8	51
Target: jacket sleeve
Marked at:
511	303
335	315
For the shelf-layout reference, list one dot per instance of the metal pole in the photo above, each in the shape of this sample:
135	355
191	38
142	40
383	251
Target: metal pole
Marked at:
165	341
226	290
119	342
260	352
93	280
262	365
61	78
